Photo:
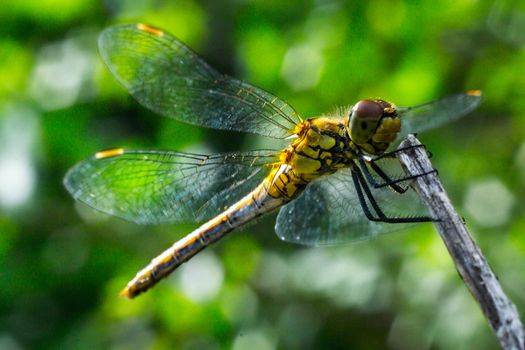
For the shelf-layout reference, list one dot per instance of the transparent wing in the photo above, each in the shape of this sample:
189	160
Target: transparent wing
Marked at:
328	212
167	77
151	187
434	114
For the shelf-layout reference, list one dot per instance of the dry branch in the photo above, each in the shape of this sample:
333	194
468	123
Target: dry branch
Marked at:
466	255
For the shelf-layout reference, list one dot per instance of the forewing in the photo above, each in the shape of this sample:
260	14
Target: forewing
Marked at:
434	114
167	77
328	212
151	187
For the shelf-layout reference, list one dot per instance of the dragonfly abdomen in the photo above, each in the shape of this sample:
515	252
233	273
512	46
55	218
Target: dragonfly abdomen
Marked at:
253	205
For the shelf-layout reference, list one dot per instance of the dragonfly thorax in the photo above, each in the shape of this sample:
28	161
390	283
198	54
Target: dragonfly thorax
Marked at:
322	147
373	125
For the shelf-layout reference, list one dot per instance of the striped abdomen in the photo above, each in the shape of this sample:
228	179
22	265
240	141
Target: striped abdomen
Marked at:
253	205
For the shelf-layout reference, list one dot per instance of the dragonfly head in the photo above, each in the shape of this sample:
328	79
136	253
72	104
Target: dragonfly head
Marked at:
373	124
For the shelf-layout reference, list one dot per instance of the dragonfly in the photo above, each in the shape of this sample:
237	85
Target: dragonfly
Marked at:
334	180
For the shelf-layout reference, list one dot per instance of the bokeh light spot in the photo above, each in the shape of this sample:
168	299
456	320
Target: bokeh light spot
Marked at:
60	73
17	180
18	135
489	202
254	340
302	66
202	279
9	343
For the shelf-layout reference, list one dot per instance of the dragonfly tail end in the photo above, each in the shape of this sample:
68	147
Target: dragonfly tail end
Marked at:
126	293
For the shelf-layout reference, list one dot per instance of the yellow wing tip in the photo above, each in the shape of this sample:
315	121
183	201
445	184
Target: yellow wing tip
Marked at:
474	92
109	153
150	29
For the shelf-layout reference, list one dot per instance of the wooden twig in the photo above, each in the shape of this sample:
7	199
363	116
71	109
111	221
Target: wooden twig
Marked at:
472	266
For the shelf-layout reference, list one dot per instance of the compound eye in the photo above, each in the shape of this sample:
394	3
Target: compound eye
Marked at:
367	110
364	118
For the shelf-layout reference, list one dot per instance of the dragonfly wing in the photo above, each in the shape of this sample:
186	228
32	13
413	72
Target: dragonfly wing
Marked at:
328	212
434	114
167	77
151	187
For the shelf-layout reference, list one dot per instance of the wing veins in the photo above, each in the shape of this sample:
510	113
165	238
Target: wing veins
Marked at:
225	78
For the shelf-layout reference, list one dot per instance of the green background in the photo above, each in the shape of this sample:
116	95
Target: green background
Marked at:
62	265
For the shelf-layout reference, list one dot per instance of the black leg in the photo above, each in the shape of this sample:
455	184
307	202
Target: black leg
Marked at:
364	193
393	154
388	181
361	197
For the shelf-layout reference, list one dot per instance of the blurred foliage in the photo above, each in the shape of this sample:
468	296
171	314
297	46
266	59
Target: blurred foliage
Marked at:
62	265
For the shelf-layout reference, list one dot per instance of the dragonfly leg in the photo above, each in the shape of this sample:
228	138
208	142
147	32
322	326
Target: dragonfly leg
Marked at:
388	181
393	154
365	196
393	182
